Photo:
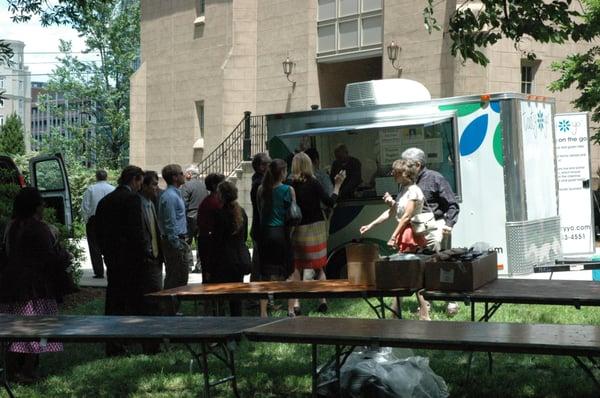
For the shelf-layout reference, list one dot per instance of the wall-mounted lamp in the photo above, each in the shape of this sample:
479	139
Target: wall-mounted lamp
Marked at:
392	50
288	68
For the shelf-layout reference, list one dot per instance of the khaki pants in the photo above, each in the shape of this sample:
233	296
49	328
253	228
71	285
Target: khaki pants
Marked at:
178	261
437	240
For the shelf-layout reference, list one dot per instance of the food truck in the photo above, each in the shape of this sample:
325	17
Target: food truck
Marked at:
496	150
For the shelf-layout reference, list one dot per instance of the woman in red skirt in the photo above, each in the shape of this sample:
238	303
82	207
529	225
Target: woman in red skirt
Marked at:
407	204
309	239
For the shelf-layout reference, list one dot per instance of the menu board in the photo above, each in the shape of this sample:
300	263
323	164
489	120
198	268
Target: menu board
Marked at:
394	141
574	190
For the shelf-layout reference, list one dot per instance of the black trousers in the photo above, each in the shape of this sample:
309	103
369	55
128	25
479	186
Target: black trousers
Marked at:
92	240
235	306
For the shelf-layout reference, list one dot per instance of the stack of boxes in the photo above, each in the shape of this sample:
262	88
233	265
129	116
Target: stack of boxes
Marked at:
418	271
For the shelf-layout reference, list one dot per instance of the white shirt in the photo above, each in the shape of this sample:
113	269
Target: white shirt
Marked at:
412	192
92	196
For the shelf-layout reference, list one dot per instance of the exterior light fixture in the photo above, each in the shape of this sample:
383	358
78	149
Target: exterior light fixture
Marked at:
392	50
288	68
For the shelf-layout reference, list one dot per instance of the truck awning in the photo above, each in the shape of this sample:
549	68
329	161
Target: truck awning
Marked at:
354	127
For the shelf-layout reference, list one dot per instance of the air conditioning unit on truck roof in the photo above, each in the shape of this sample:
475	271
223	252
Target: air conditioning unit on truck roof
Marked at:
383	92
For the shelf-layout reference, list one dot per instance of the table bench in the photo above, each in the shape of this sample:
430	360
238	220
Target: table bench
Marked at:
577	341
337	288
523	291
214	335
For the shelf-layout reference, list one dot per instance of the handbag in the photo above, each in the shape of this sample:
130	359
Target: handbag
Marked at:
423	223
293	215
244	265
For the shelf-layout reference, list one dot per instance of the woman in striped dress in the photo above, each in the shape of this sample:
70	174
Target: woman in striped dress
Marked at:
309	239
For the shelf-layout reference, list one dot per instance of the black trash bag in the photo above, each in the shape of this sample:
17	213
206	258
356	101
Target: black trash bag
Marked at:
378	373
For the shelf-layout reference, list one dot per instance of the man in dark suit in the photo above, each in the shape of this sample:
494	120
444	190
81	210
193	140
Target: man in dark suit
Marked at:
152	276
120	232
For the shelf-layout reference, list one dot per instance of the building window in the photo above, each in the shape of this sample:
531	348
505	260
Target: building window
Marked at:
349	28
528	70
200	11
200	118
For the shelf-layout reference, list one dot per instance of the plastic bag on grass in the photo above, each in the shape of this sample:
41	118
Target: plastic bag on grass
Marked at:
379	373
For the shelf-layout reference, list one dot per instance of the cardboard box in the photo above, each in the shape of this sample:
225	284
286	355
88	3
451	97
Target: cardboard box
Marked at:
460	276
361	259
399	274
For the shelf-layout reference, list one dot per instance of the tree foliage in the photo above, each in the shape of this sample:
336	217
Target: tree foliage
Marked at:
582	71
6	54
101	89
476	25
479	24
12	135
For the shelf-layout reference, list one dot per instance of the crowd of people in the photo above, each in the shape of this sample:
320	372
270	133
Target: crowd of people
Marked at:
135	228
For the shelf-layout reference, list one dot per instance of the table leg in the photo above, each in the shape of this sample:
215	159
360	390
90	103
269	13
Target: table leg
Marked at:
205	370
315	380
588	371
227	357
470	362
174	304
338	372
375	308
3	371
234	380
472	311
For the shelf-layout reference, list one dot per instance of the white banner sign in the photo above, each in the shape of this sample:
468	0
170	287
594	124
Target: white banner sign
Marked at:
574	190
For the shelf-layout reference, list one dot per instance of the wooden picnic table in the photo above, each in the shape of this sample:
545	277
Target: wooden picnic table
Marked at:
523	291
214	335
578	341
335	288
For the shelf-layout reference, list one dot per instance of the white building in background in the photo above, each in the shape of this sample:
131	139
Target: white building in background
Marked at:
15	81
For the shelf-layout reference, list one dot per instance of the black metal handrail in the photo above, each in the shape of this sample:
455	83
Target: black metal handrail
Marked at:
247	138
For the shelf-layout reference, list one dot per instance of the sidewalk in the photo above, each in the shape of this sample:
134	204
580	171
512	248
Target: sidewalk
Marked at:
87	279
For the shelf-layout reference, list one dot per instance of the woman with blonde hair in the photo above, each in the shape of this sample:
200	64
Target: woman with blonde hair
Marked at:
309	239
408	203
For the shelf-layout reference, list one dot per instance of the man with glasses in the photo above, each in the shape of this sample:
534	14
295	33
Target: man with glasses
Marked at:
173	227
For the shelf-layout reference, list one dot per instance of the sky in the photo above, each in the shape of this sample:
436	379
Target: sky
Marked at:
41	43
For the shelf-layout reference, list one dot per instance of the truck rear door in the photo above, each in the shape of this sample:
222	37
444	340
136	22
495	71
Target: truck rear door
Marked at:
49	175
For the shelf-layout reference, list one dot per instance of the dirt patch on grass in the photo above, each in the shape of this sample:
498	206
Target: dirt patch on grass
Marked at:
84	295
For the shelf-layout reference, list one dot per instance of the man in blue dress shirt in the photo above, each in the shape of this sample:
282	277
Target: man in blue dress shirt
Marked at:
173	227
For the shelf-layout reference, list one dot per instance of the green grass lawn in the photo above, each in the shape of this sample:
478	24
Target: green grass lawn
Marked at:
283	370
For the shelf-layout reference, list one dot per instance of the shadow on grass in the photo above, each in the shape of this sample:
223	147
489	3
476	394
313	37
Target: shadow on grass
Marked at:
283	370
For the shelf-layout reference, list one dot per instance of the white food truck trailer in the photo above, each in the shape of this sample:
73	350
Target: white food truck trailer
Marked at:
497	151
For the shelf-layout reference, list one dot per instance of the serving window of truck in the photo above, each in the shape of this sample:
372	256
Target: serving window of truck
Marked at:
376	145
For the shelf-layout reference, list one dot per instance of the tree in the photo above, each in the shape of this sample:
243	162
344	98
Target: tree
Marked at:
100	90
12	139
479	24
6	54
